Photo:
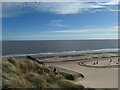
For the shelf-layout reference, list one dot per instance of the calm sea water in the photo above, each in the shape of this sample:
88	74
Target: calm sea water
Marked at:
52	46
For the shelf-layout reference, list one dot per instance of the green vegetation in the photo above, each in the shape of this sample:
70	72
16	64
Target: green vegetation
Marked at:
70	76
23	73
67	76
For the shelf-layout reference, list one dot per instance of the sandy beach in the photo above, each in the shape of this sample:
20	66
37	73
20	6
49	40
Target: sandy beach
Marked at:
100	69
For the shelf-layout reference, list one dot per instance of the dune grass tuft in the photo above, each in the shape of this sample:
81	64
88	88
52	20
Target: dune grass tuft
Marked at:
29	74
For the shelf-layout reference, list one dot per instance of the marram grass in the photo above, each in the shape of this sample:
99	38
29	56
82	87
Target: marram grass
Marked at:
29	74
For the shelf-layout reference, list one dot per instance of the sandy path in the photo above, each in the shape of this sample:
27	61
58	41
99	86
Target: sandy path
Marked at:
94	77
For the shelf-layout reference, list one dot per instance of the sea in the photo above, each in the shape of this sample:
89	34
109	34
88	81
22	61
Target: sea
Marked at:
42	48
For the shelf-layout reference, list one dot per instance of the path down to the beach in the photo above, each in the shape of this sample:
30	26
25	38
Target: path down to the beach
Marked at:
94	77
104	74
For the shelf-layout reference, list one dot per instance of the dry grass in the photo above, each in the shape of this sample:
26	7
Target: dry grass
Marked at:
29	74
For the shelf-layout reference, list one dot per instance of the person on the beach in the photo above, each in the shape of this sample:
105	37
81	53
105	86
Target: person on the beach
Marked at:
118	59
110	60
97	62
54	69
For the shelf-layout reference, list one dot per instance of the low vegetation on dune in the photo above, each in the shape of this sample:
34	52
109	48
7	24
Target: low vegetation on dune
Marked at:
29	74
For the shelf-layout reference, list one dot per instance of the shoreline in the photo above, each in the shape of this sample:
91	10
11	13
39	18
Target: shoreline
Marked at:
65	53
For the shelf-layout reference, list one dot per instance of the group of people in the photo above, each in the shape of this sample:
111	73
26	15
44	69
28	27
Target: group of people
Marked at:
116	63
109	61
95	63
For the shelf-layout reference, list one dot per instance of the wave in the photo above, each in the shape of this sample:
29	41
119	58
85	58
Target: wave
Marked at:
63	53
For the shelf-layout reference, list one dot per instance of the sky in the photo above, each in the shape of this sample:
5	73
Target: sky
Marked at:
78	20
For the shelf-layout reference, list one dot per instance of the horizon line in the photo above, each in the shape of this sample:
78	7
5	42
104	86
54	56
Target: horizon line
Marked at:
59	40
